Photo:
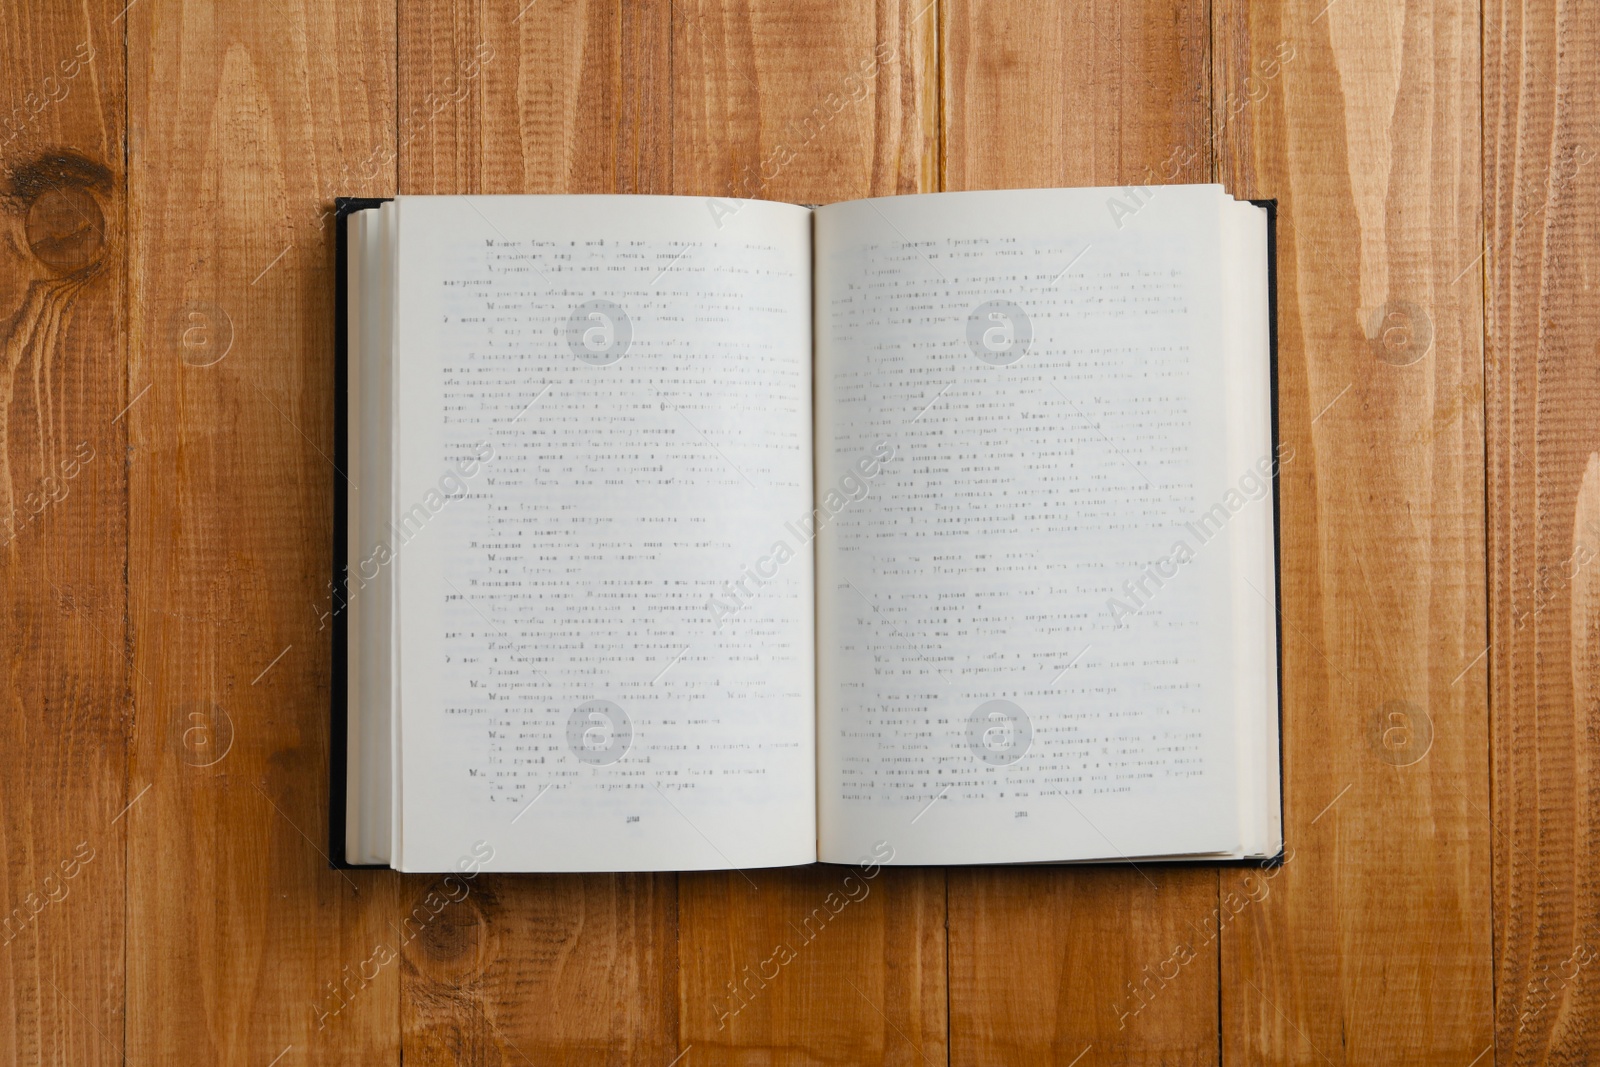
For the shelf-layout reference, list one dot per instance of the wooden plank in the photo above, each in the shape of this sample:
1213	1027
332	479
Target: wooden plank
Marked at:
1373	945
1076	94
1050	964
244	122
822	964
519	97
536	969
1542	204
808	102
63	502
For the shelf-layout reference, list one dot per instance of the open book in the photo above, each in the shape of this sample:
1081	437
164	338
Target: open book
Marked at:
680	533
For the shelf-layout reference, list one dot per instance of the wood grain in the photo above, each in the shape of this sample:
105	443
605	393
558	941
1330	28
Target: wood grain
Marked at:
244	121
63	537
538	969
1362	118
555	96
164	244
1542	205
821	965
1079	93
808	102
547	97
1050	965
1055	963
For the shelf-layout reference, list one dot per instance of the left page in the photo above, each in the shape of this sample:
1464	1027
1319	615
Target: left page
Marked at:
606	659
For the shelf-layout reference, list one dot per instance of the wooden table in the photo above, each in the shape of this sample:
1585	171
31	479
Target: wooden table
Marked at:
166	295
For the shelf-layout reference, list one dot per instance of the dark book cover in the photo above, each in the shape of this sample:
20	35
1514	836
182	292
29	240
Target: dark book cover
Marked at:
339	718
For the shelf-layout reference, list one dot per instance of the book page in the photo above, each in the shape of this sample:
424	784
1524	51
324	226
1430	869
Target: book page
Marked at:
1025	620
606	661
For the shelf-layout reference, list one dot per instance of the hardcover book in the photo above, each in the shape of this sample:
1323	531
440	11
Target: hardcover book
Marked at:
679	533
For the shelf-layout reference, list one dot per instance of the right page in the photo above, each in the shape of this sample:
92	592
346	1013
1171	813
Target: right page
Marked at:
1045	582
